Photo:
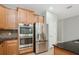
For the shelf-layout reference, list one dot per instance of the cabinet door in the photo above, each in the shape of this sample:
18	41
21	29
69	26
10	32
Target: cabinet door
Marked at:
23	16
36	19
2	17
27	17
31	19
12	47
41	19
26	50
1	48
10	19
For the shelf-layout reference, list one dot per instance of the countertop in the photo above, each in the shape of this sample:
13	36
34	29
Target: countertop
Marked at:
72	46
3	38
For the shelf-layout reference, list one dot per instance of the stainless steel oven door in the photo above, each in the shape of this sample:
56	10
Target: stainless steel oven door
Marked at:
25	42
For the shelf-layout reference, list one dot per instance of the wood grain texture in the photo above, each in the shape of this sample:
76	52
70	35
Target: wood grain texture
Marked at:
60	51
11	47
1	48
26	50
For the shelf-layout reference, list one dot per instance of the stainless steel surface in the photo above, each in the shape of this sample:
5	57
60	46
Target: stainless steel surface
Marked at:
25	33
41	41
41	47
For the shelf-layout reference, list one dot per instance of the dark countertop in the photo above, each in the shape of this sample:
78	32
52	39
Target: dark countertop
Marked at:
3	38
72	46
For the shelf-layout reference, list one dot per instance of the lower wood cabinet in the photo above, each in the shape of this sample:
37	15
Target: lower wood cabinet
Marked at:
1	48
9	47
60	51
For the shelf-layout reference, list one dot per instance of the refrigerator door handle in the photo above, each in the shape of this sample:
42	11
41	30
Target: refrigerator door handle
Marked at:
37	36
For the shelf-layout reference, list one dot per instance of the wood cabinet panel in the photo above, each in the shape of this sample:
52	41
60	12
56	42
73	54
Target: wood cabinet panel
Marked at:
7	18
11	47
31	18
38	19
10	18
2	17
23	16
59	51
25	50
1	48
41	19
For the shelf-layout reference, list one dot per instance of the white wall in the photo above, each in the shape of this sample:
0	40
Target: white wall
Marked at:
60	31
70	29
51	20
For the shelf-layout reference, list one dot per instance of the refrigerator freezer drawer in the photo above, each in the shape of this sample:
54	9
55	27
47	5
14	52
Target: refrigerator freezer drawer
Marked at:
41	47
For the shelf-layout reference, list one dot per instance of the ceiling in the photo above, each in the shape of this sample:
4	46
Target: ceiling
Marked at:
59	9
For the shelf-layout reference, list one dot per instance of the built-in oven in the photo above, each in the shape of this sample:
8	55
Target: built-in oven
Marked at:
25	33
25	42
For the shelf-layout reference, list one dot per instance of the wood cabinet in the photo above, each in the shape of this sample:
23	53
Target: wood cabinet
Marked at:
25	16
38	19
10	18
1	48
7	18
11	47
41	19
26	50
31	18
2	17
60	51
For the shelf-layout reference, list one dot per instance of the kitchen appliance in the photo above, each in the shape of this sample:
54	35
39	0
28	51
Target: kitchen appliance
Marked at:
25	33
40	38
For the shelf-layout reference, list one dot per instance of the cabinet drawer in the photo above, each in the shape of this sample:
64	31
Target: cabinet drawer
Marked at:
25	50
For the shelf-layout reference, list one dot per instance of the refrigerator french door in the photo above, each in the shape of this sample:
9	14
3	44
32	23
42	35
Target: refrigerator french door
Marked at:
40	38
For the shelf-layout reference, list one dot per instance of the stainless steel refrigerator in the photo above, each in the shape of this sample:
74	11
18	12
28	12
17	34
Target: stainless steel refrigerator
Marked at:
40	38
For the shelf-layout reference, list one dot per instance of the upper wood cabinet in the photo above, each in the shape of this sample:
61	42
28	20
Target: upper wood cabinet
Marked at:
31	18
38	19
25	16
41	19
2	17
7	18
11	18
21	16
